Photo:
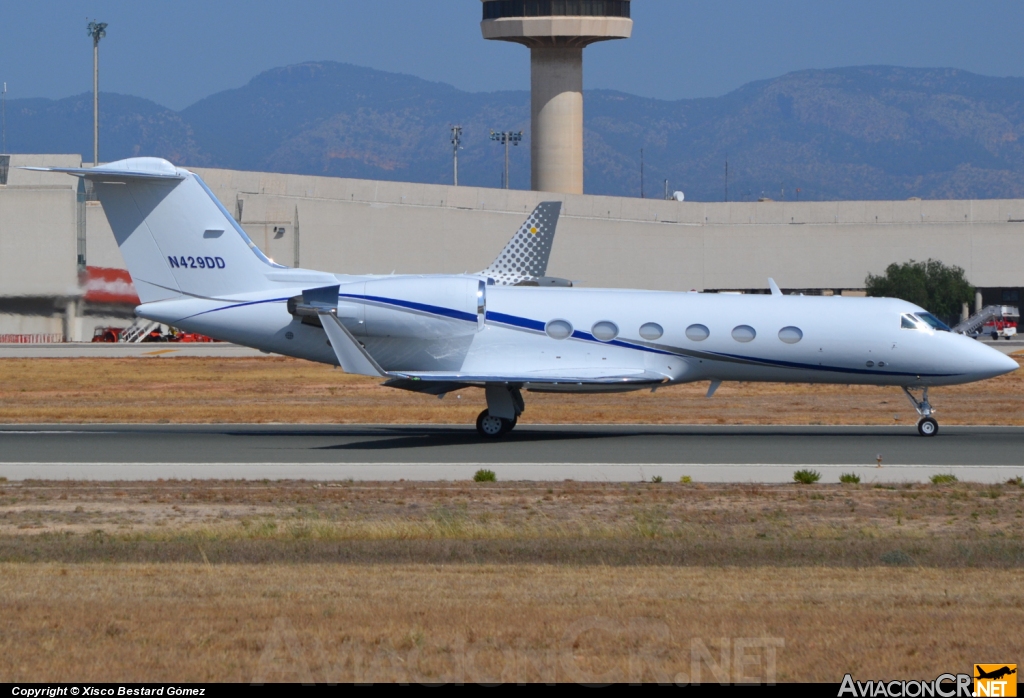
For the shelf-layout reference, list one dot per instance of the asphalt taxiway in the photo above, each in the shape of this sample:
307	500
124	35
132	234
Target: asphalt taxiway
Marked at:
611	453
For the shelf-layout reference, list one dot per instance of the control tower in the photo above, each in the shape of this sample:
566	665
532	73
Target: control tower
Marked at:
556	31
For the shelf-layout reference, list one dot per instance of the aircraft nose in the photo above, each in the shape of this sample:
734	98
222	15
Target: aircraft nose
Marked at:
993	362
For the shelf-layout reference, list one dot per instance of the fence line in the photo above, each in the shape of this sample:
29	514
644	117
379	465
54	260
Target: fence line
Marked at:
31	338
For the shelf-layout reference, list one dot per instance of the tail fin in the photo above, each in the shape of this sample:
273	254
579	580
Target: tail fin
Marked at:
526	255
175	236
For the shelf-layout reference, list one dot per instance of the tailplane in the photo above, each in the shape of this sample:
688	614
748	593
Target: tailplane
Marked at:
176	237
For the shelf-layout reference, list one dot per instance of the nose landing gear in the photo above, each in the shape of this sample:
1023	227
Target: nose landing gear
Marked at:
926	426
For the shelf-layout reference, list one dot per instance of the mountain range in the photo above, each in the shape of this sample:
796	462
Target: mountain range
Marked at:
873	132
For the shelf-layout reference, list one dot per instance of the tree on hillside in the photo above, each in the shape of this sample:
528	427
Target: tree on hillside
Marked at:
932	285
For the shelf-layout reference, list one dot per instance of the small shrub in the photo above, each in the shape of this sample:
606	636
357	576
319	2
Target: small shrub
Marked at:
806	477
945	479
850	478
1018	481
656	479
686	479
897	558
484	475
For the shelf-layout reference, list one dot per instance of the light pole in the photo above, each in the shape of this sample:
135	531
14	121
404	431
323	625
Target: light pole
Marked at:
456	144
641	173
506	137
97	30
4	150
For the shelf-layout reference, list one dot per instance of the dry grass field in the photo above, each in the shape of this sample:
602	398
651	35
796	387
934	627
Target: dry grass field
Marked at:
274	389
431	623
326	582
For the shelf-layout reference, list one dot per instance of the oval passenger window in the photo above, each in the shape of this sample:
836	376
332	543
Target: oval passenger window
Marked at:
743	333
791	335
698	333
605	331
651	330
558	329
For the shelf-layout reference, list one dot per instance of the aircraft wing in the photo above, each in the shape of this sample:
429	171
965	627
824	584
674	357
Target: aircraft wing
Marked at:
354	358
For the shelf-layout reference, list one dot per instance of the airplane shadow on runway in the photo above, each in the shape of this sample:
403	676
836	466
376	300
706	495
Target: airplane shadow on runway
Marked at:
465	437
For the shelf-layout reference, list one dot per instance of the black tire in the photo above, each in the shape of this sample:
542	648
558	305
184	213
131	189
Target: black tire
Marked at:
927	427
491	427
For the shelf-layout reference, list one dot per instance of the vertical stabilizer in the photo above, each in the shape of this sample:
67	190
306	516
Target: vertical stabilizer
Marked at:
175	236
525	257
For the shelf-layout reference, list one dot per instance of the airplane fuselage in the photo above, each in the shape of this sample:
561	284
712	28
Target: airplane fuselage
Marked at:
461	325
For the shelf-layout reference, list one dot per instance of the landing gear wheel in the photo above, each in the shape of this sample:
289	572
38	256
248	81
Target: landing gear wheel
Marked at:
927	427
491	427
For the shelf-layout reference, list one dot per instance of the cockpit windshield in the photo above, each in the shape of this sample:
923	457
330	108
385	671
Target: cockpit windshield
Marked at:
922	321
934	322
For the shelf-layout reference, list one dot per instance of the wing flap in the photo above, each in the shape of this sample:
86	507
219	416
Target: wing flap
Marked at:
579	377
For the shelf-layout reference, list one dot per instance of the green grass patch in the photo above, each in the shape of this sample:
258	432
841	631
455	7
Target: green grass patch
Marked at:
806	477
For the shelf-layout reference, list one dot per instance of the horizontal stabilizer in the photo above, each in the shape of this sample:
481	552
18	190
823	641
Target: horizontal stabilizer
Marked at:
352	357
135	168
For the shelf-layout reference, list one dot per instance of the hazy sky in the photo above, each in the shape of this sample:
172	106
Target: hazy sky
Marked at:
178	52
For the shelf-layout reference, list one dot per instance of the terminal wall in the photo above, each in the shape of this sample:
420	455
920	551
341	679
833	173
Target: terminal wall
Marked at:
359	226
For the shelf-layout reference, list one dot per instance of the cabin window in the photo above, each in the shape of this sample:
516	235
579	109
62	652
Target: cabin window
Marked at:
605	331
558	329
697	333
743	333
651	331
791	335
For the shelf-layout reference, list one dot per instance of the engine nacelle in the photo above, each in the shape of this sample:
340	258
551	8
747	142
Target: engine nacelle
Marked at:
423	307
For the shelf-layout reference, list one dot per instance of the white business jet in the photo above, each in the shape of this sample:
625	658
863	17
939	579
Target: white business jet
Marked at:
509	328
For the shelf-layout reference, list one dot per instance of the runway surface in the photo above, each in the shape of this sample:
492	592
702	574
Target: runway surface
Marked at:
611	453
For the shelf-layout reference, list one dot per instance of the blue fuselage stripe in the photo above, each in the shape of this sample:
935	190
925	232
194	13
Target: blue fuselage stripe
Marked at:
537	326
421	307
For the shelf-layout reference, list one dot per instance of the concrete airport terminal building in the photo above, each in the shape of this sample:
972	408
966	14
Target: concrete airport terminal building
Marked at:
61	274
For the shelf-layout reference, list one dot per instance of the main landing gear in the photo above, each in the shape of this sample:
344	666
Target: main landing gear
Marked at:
926	426
492	427
504	405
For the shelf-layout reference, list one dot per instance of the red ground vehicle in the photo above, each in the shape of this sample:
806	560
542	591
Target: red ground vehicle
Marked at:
121	334
107	334
1007	329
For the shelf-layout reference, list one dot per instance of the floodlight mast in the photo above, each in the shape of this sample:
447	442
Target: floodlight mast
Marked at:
4	150
97	30
506	137
456	145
